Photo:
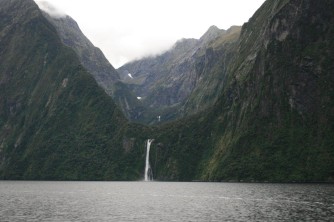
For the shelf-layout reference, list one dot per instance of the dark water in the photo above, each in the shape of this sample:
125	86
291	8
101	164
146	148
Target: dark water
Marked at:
161	201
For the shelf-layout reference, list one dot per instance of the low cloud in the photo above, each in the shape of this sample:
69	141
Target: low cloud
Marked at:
50	9
127	48
126	30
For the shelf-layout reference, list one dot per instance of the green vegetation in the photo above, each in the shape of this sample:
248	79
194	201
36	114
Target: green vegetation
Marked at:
56	123
273	120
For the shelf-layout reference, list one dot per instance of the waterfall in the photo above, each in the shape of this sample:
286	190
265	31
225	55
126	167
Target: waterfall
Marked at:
148	170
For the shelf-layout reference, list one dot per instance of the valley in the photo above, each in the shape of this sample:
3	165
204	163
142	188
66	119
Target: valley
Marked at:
252	103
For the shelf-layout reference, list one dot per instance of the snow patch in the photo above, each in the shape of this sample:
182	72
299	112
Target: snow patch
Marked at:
130	75
64	83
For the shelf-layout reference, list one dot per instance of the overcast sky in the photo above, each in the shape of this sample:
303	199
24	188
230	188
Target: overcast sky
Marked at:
129	29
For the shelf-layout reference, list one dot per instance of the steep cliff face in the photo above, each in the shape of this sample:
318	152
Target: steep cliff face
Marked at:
55	122
211	66
166	82
96	63
274	118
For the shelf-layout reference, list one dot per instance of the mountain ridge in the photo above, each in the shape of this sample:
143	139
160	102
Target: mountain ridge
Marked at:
93	59
166	82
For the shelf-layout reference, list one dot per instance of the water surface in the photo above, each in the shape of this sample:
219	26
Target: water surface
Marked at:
163	201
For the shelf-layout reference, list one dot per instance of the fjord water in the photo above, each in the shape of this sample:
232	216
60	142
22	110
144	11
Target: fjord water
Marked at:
163	201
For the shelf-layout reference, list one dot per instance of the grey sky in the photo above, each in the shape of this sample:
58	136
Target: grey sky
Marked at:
129	29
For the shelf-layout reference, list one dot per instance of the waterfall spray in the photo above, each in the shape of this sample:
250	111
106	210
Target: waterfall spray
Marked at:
148	170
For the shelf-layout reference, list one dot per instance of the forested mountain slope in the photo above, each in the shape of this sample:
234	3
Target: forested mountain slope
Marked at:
55	121
274	119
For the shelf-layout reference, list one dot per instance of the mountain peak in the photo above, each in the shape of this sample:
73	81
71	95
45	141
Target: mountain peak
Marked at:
212	33
213	28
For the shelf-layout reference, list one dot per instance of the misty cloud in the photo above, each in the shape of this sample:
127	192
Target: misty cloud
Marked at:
126	30
50	9
126	48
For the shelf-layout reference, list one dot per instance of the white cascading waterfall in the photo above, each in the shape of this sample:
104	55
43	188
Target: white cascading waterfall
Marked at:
148	170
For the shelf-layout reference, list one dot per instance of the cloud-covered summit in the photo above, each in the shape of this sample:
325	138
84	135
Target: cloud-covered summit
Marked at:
50	9
127	30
